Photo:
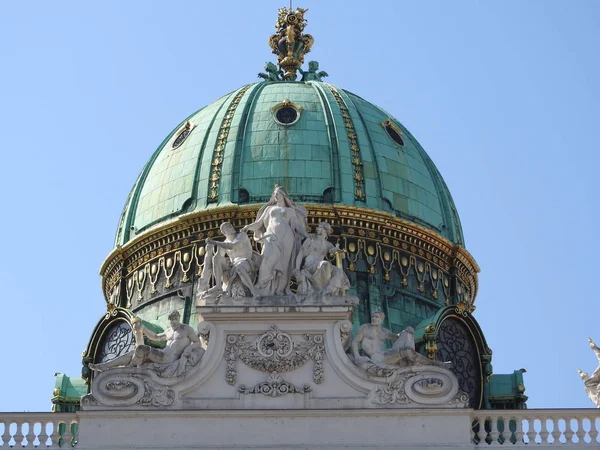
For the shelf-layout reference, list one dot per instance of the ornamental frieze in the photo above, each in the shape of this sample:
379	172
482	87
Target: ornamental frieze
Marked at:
274	386
173	255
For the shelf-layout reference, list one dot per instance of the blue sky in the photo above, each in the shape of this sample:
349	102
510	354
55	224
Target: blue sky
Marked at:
503	95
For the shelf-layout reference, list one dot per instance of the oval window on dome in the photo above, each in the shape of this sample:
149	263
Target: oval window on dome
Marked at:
393	132
286	113
286	116
182	134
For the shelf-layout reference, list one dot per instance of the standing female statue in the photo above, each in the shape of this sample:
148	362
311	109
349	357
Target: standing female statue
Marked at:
280	226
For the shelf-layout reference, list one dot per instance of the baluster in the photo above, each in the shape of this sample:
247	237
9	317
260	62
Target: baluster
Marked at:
543	434
556	433
505	433
593	433
6	434
519	430
531	433
55	436
494	431
18	436
580	432
67	436
569	431
30	436
75	429
43	437
481	434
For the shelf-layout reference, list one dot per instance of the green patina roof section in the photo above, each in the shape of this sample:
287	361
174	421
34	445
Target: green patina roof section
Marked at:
507	386
408	179
167	180
70	389
307	158
297	157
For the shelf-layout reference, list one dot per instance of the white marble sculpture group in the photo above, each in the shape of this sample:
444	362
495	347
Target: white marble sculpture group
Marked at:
288	252
592	383
276	348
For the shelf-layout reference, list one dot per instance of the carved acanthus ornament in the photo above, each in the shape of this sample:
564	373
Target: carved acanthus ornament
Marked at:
394	392
155	395
420	387
274	351
464	308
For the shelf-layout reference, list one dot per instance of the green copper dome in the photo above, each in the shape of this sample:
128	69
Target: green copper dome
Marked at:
320	142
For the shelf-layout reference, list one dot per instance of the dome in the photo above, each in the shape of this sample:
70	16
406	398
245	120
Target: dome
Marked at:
322	143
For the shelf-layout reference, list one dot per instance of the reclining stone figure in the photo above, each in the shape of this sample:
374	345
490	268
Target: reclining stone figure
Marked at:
372	337
183	350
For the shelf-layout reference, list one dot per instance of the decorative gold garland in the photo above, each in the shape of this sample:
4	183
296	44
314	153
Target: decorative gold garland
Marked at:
376	235
359	179
217	161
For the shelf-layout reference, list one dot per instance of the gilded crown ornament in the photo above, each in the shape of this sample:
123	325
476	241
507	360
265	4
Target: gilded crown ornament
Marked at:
288	43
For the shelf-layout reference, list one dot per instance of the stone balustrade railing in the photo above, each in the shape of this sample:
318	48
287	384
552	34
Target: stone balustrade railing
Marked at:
38	430
556	427
543	428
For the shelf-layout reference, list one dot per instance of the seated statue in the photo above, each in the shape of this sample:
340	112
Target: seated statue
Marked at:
372	337
313	274
183	350
232	263
592	383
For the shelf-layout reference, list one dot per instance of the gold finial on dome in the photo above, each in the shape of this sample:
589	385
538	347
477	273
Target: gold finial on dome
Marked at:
288	43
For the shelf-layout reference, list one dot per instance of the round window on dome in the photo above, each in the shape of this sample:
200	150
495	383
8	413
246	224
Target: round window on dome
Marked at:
286	113
182	135
286	116
393	132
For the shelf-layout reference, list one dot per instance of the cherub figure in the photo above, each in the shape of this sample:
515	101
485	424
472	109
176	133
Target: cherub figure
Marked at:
273	73
312	74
